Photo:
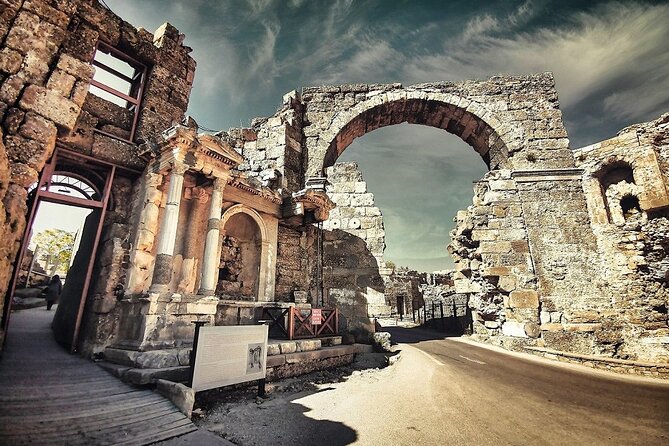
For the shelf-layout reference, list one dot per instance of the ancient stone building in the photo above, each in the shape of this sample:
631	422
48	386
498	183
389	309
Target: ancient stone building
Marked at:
61	120
560	249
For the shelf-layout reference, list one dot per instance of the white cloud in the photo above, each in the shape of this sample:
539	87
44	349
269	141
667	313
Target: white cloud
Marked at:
621	46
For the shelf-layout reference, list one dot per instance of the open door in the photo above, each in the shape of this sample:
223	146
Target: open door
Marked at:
79	181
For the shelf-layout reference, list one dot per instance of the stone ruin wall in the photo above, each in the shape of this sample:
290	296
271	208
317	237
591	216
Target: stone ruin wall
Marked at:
606	294
45	73
634	248
353	247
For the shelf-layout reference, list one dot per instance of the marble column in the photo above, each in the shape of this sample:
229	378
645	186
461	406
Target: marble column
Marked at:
211	258
162	271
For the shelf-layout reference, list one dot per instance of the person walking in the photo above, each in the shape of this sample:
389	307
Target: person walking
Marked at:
53	291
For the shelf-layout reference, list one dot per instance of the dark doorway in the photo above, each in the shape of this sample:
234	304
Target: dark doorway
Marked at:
400	307
71	187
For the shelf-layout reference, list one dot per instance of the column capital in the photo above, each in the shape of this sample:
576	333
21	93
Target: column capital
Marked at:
220	183
178	168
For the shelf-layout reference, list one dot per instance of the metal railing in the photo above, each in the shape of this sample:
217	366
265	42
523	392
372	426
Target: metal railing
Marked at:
445	316
295	323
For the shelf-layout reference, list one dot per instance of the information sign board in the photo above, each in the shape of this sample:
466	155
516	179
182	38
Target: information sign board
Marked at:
316	316
230	355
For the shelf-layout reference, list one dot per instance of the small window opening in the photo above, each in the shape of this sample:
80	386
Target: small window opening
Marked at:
617	173
118	79
630	206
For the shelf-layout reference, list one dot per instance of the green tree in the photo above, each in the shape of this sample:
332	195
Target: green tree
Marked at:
55	246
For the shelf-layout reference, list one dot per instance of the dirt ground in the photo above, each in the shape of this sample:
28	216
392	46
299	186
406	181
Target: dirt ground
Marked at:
241	417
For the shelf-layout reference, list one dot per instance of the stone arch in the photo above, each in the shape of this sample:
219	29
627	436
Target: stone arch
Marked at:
240	208
263	268
465	118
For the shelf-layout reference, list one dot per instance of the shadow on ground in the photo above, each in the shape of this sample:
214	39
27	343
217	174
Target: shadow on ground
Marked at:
406	335
239	416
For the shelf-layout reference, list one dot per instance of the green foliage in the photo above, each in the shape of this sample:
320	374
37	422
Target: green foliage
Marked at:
390	264
55	247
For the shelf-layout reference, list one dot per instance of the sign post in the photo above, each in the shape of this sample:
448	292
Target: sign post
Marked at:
193	352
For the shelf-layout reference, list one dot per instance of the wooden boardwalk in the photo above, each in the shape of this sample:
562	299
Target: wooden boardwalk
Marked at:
49	397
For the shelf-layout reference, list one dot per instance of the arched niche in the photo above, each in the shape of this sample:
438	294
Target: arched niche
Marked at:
616	180
244	255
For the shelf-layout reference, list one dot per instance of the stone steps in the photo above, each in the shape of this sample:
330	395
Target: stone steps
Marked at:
279	364
282	346
144	368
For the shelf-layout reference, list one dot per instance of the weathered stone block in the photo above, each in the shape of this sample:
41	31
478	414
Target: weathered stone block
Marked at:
513	328
23	175
47	13
532	330
495	246
107	112
11	89
27	151
359	200
12	121
551	327
287	347
51	105
273	349
182	396
34	68
61	82
38	128
524	299
10	61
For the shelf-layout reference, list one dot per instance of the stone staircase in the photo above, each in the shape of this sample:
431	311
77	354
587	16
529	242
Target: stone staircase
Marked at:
284	358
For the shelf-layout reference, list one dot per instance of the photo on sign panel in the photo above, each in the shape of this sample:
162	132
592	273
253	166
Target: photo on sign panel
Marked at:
255	356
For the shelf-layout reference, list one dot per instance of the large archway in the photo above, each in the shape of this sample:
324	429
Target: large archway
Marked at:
431	111
513	123
435	110
515	126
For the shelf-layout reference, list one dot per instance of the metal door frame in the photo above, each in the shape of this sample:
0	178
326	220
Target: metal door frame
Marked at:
52	197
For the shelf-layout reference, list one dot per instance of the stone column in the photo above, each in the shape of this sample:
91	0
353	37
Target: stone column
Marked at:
162	272
211	259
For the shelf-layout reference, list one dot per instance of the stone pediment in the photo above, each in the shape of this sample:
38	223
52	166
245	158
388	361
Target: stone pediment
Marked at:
253	186
186	144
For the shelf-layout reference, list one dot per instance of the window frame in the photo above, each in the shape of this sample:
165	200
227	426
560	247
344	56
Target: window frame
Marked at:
137	84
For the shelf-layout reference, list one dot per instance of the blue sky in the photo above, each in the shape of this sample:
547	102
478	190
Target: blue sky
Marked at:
610	60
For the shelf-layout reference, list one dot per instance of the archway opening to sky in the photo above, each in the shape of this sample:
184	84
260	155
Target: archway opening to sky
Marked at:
54	240
427	176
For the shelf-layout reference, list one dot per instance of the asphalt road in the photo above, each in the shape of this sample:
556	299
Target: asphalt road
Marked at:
449	392
497	398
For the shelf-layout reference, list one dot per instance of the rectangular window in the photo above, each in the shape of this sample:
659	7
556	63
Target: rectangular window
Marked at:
118	79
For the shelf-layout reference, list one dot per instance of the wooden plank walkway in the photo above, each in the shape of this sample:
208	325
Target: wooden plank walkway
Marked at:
49	397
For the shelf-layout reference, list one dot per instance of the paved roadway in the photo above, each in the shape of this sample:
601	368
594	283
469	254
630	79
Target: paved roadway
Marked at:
488	396
449	392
